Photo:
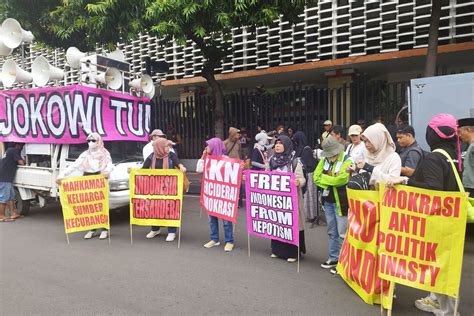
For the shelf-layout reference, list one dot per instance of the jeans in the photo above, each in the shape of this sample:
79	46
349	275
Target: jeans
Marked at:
228	230
337	228
171	230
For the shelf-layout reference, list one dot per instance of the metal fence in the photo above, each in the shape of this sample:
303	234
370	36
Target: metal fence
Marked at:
303	108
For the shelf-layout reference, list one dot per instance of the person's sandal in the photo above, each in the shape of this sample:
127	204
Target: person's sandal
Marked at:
7	219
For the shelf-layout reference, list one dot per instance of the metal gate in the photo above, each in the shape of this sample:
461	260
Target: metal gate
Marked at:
303	108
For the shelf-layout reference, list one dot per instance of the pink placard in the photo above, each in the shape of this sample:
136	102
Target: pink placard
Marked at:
220	189
272	205
64	115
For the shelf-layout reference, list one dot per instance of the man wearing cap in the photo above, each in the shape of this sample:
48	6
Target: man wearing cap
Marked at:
410	152
148	149
331	175
466	134
327	125
356	149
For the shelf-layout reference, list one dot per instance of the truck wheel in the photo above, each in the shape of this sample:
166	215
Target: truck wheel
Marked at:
22	206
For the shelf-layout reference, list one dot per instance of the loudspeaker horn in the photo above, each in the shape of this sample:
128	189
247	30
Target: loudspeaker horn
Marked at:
13	34
43	72
4	49
145	84
117	54
112	78
11	73
73	57
151	94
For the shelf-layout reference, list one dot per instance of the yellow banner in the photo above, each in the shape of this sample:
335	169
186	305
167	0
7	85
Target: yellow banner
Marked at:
422	238
85	203
156	197
358	258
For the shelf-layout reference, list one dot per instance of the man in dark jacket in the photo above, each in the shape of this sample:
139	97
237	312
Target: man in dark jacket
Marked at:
8	167
435	172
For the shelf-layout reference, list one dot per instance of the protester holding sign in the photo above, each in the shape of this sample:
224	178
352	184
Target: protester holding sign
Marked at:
435	172
284	160
162	158
382	160
96	160
331	175
215	147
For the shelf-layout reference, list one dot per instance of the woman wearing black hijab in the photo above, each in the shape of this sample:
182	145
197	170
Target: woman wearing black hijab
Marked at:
284	160
310	192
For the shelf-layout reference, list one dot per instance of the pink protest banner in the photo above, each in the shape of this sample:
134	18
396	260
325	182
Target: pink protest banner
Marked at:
220	187
272	205
63	115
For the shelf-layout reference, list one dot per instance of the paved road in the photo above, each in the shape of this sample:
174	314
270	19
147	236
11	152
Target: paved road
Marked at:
42	275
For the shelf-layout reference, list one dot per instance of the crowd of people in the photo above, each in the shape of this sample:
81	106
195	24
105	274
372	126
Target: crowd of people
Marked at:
363	159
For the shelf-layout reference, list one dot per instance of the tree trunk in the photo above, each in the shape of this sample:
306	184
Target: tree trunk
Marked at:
218	98
431	57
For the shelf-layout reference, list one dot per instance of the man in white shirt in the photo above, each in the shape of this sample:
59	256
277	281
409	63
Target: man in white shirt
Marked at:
148	149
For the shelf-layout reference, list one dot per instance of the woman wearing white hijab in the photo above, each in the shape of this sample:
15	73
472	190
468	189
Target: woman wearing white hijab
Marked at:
95	160
382	161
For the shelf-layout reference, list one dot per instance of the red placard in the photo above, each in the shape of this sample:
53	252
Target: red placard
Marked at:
220	190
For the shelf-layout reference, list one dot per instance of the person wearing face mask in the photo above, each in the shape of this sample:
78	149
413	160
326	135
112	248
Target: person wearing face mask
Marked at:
162	158
259	153
331	175
95	160
284	160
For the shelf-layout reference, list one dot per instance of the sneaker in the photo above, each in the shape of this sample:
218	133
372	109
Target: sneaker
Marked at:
334	271
329	264
153	233
273	255
228	247
291	259
427	304
104	234
89	234
211	244
171	237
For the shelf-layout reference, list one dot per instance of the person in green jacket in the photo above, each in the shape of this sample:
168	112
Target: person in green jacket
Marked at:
331	175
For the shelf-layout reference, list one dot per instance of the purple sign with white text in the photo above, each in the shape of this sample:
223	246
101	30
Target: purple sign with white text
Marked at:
272	205
64	115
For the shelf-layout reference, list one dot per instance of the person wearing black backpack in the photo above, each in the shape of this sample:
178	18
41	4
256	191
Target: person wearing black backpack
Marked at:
435	172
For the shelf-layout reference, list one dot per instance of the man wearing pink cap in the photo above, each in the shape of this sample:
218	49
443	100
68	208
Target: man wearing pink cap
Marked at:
434	172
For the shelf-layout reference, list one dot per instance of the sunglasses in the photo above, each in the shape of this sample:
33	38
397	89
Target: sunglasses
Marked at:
91	140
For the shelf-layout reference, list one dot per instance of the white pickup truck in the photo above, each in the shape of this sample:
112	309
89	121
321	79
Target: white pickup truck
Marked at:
35	181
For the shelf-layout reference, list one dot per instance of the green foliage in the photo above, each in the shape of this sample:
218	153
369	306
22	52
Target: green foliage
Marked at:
206	22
